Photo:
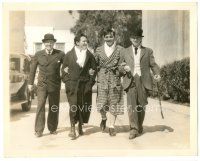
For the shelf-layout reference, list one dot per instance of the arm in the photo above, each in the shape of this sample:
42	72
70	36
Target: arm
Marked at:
33	68
154	67
64	67
121	64
62	60
93	67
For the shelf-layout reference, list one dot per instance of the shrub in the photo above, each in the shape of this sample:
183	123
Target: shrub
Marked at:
175	81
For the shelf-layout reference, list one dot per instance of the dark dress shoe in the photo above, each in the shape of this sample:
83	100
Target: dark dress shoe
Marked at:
38	134
103	125
53	132
140	131
112	132
133	134
72	133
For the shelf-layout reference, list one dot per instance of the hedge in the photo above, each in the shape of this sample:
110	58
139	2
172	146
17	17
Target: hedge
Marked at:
175	81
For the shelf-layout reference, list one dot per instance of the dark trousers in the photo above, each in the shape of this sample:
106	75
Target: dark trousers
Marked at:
136	101
52	120
75	111
80	112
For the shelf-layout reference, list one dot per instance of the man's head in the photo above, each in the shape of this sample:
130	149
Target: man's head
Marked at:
136	37
109	37
81	41
49	41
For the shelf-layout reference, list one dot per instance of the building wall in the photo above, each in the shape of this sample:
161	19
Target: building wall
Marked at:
38	23
16	31
167	33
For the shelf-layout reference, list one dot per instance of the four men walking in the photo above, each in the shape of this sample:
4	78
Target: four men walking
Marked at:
110	61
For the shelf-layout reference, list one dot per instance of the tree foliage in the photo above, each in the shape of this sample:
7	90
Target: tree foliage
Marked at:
93	22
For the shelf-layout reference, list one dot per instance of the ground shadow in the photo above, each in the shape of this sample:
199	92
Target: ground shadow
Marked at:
91	129
147	129
60	130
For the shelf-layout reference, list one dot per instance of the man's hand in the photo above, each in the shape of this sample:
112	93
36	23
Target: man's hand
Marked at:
127	68
91	72
66	70
30	87
157	78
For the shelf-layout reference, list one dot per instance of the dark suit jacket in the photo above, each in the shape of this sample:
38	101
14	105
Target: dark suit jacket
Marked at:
76	74
49	70
147	63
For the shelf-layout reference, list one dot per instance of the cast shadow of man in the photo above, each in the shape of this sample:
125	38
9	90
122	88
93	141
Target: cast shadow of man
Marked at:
88	129
146	129
91	129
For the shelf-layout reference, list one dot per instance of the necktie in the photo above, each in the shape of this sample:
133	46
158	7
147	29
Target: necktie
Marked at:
136	50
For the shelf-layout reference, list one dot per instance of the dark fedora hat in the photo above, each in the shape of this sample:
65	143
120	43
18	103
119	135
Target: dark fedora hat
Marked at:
48	37
137	32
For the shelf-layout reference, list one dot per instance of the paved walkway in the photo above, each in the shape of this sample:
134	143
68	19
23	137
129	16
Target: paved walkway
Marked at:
160	135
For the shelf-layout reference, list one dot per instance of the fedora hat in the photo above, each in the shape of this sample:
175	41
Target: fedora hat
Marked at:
48	37
137	32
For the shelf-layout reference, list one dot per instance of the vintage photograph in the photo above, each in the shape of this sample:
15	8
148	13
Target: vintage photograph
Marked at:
100	80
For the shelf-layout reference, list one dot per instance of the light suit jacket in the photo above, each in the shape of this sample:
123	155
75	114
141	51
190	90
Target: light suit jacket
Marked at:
147	63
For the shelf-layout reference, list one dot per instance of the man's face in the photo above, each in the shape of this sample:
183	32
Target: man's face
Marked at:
136	40
82	44
49	44
109	39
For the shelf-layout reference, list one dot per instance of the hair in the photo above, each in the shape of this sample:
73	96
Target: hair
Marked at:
108	31
78	37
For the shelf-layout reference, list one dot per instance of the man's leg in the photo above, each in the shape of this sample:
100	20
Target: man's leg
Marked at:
102	104
132	108
141	115
141	101
40	113
52	121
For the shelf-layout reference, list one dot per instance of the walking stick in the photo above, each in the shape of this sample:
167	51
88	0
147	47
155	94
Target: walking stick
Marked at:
159	96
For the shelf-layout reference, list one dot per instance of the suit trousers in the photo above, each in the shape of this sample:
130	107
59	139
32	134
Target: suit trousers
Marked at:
74	111
136	101
52	120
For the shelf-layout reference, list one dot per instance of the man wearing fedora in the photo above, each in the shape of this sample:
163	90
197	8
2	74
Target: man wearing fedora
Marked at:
49	61
135	64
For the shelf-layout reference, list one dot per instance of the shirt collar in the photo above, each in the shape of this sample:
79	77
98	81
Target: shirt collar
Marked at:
139	47
47	51
110	47
80	51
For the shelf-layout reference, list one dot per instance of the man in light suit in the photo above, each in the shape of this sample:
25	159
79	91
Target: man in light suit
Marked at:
135	64
49	61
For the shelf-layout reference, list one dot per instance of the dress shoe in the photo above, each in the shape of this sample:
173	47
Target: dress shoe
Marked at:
103	125
112	132
38	134
140	131
133	134
53	132
72	133
80	130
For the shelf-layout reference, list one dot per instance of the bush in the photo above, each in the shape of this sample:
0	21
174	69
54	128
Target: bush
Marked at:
175	81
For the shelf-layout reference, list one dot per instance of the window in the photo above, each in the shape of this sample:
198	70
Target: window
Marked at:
38	47
60	46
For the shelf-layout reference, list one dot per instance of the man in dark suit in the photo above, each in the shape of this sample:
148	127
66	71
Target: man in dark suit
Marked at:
49	62
136	62
78	74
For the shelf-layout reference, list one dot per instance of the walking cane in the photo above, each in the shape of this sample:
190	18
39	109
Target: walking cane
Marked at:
159	96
